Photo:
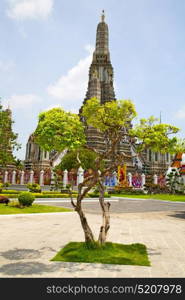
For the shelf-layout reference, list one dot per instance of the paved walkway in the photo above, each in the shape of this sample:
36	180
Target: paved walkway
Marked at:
27	243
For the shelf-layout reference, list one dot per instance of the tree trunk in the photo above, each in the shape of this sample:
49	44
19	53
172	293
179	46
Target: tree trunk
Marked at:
87	230
105	216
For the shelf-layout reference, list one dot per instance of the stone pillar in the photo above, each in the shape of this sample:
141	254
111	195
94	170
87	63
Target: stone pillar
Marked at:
14	177
155	179
65	178
41	179
22	177
31	176
143	177
130	179
80	176
6	177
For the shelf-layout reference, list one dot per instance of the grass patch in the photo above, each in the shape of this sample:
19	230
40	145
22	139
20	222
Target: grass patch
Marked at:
35	208
166	197
110	253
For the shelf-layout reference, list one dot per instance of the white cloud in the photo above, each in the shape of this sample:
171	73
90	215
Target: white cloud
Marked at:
22	102
29	9
71	88
180	114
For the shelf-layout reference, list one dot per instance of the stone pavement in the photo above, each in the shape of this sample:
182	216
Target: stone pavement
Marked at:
28	242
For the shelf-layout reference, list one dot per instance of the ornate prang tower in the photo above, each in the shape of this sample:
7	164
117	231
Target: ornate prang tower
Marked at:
101	71
100	83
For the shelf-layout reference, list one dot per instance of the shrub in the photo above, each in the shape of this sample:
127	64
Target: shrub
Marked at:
53	195
10	192
26	198
6	185
34	187
68	186
152	188
126	191
96	195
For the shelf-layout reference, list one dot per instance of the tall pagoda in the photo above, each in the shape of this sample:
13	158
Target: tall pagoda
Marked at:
101	71
101	86
100	83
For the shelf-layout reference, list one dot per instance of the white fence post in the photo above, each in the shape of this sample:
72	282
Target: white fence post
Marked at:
143	181
155	179
14	177
6	177
130	179
65	178
41	179
31	176
22	177
80	176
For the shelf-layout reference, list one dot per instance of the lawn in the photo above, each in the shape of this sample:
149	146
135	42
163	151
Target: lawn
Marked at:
35	208
110	253
166	197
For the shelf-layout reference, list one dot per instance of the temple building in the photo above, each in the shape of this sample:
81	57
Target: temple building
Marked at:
100	85
36	158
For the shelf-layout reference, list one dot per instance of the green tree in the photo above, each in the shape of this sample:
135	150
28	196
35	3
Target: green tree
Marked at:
113	120
180	146
150	134
76	158
8	139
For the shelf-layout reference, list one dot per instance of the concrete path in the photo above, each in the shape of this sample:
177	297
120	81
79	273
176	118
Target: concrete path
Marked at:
27	243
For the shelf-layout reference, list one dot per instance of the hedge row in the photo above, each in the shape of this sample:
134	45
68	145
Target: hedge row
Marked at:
10	192
37	195
42	193
55	192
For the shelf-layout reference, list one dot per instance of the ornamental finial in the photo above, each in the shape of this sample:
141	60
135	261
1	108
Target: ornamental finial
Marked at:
103	16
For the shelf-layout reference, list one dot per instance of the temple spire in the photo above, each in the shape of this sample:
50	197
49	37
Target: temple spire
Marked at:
103	16
102	37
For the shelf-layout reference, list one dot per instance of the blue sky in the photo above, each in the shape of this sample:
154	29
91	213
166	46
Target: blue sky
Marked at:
46	49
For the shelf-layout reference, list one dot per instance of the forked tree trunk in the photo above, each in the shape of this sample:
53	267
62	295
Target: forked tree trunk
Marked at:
105	206
87	230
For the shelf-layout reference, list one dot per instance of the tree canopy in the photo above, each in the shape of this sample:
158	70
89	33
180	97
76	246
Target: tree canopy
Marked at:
85	159
59	130
155	136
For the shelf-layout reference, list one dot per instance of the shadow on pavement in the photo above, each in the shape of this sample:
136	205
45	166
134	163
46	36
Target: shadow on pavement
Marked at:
179	214
28	268
18	254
